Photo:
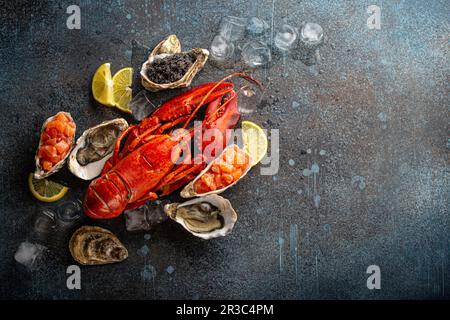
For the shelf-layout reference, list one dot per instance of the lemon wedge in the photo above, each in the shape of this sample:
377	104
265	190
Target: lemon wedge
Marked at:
102	85
46	190
255	140
122	92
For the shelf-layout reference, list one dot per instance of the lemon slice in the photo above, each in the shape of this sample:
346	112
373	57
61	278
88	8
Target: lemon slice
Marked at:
102	85
121	88
46	190
255	140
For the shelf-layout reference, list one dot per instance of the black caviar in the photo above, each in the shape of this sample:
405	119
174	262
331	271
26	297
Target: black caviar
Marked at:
171	68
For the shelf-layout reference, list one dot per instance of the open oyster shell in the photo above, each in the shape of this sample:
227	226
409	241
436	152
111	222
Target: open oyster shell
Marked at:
40	173
206	217
189	190
94	245
94	148
169	46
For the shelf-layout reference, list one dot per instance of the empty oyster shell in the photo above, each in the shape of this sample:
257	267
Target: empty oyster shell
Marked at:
94	245
189	190
170	46
94	148
40	173
206	217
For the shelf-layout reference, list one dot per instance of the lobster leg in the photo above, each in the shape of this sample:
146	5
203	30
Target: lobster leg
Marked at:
179	178
134	143
181	171
115	157
171	124
169	188
140	202
135	138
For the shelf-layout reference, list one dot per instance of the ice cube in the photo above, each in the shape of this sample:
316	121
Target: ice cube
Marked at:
135	219
69	212
141	106
68	215
256	26
285	38
43	225
249	101
145	217
221	48
256	53
311	38
232	28
311	33
29	254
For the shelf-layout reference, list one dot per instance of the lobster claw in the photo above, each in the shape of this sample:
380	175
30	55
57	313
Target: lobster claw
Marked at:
186	102
179	108
220	117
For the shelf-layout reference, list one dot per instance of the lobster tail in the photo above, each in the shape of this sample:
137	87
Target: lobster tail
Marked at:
106	197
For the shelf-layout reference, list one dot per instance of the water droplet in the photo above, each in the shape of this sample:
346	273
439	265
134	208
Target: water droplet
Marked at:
383	119
313	70
316	200
129	16
382	116
291	162
362	185
148	272
295	105
308	151
359	181
143	251
306	172
322	152
170	269
128	54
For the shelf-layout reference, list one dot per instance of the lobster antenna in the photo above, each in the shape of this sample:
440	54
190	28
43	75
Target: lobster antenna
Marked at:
240	74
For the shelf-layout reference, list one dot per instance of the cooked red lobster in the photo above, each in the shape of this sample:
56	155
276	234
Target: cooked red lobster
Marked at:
144	169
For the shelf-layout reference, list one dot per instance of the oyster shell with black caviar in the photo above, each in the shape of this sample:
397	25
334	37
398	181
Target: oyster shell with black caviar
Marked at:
169	68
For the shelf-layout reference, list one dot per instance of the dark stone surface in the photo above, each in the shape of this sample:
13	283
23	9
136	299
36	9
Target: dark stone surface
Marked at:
377	106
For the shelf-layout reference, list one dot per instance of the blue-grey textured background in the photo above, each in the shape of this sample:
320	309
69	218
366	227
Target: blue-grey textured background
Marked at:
373	118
